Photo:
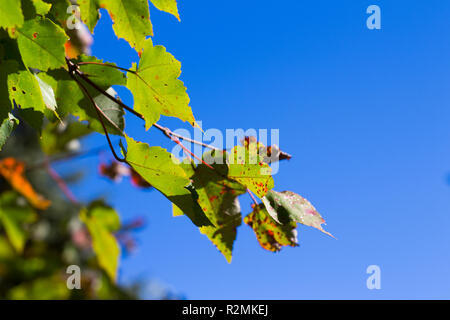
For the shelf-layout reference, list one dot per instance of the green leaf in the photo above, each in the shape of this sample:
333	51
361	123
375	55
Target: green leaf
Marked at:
246	168
169	6
47	93
113	111
72	101
102	76
41	44
32	8
101	222
24	89
58	11
13	218
156	88
131	20
11	14
288	206
6	128
42	8
217	196
89	12
163	171
271	235
6	68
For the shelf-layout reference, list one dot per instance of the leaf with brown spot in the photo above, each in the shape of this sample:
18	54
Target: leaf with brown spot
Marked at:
41	44
271	235
217	196
268	154
246	167
156	88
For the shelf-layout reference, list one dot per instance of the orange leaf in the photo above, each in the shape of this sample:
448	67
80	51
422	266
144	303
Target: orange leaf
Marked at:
13	171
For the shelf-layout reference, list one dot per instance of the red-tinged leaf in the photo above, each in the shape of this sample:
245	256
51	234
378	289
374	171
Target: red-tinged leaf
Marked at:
288	206
271	235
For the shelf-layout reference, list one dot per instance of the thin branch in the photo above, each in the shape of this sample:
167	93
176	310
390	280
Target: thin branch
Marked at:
165	130
99	115
106	65
252	196
61	183
189	152
109	96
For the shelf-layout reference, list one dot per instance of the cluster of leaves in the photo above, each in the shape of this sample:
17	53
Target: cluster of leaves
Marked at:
43	84
42	232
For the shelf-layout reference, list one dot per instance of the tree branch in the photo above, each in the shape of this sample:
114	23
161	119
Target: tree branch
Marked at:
99	115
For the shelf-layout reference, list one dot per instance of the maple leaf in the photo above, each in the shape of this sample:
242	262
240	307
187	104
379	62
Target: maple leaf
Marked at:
288	206
271	235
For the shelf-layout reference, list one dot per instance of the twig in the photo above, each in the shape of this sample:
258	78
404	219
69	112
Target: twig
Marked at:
252	196
106	65
165	130
189	152
99	115
74	70
61	183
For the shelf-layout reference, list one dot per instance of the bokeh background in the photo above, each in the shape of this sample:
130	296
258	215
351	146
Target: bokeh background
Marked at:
364	114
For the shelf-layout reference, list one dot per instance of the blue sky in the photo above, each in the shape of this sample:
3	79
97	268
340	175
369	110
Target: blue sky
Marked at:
362	111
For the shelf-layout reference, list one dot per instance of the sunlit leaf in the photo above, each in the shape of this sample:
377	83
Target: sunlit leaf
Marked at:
169	6
47	94
41	44
89	12
156	88
25	90
6	68
42	8
247	168
163	171
131	20
11	14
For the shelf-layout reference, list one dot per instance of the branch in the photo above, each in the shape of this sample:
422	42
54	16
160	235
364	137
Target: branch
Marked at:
61	183
165	130
99	115
106	65
252	196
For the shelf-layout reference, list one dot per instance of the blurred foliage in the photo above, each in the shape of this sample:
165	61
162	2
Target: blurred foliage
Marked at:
37	246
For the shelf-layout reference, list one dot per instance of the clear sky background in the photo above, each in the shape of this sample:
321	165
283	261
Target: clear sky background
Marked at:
365	115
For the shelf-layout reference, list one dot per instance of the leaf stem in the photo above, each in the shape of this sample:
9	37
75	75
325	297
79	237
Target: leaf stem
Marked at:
252	196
